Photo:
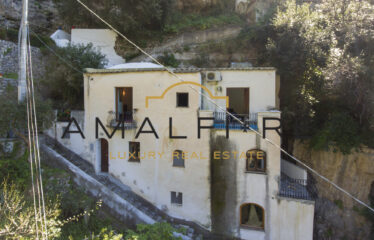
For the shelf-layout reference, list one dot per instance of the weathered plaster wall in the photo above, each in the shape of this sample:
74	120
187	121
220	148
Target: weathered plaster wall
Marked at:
74	142
232	186
296	215
261	84
223	186
155	178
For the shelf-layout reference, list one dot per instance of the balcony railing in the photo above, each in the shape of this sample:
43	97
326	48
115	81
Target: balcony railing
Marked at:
296	188
126	117
221	119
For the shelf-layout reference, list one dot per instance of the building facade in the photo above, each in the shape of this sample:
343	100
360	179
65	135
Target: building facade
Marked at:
180	150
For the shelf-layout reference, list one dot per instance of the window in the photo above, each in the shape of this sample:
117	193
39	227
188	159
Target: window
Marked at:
124	104
176	198
134	151
178	158
252	215
256	160
182	99
67	135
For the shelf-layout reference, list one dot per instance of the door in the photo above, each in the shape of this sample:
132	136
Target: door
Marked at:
238	100
104	155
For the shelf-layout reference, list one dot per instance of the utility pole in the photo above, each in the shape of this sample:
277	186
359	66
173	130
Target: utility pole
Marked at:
22	51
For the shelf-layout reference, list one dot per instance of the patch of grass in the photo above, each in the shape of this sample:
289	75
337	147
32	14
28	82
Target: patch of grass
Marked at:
7	51
182	22
11	75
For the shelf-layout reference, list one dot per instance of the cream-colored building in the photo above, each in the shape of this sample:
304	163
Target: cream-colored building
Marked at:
103	40
230	185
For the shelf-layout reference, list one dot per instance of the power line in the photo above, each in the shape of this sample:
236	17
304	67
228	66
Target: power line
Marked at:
230	114
56	54
36	146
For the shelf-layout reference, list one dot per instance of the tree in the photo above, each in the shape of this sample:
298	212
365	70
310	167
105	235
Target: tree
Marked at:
63	81
324	55
17	219
157	231
14	116
131	17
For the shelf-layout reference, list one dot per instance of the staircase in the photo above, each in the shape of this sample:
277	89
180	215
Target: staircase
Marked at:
119	198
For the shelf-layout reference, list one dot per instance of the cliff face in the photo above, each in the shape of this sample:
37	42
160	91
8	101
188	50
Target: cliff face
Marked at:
338	216
42	14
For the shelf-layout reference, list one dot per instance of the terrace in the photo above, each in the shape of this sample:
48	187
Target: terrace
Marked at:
221	119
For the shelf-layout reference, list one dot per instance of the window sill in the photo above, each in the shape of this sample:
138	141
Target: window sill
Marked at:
256	172
134	161
252	228
177	204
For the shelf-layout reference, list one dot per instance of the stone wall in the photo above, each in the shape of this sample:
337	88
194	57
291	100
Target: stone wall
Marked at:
9	59
337	216
42	14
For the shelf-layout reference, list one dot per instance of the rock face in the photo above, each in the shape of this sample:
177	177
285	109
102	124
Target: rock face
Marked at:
42	14
9	59
338	216
196	5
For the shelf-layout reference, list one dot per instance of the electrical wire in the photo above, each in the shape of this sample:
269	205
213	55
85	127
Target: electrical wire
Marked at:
56	54
36	136
228	113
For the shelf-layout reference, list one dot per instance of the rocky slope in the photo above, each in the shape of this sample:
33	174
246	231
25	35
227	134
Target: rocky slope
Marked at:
43	15
338	216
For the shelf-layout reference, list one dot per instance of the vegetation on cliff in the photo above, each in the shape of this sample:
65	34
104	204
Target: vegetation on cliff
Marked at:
324	55
71	213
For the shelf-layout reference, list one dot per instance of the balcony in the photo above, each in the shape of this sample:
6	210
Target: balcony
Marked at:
296	188
221	119
126	117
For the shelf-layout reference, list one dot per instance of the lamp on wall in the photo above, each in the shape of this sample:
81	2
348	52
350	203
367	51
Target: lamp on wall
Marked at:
123	92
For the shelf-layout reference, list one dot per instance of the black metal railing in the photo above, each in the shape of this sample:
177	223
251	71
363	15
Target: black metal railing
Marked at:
296	188
222	118
127	118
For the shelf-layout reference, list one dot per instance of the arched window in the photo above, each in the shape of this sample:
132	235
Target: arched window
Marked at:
252	215
256	160
178	158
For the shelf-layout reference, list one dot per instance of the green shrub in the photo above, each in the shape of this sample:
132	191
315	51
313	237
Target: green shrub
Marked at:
157	231
63	81
341	131
339	204
168	59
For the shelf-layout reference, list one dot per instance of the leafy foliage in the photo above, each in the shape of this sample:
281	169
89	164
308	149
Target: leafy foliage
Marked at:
16	169
128	16
64	82
17	215
157	231
324	55
14	116
142	19
168	59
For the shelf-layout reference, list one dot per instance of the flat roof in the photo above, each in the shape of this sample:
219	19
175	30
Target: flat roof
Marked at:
176	70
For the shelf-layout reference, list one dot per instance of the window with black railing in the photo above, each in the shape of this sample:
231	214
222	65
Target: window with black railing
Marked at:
296	188
222	119
126	118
